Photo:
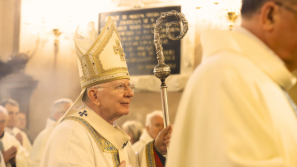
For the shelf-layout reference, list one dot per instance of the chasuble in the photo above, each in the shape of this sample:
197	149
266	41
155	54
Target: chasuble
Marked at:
84	139
234	111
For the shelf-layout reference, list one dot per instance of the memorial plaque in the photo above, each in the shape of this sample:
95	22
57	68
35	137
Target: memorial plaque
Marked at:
136	29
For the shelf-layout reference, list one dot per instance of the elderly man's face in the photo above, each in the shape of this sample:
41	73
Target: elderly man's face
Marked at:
156	127
12	115
3	121
114	103
62	110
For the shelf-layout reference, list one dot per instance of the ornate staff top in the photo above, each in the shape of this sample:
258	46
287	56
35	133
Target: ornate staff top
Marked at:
162	71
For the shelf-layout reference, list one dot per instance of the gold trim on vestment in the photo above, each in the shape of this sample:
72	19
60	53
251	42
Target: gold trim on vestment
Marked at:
150	157
103	144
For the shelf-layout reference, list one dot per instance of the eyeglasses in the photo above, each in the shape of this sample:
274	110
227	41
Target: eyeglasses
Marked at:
286	7
122	87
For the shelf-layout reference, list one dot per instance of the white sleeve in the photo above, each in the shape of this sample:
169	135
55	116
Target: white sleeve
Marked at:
68	146
22	157
26	142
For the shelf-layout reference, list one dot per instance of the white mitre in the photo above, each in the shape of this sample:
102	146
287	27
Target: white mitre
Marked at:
99	61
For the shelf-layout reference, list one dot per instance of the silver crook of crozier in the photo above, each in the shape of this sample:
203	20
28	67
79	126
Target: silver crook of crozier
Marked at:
162	71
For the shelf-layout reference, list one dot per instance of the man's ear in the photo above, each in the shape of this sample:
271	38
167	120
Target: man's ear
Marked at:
147	128
269	15
94	97
56	116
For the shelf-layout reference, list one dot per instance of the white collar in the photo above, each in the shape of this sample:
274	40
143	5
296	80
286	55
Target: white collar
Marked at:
256	39
113	133
50	123
145	136
216	41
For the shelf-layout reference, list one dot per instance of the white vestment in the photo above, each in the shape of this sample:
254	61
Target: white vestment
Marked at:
40	143
143	140
26	142
2	163
234	112
22	157
84	139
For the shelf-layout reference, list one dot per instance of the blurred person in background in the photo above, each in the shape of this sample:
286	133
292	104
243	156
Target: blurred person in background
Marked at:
58	109
13	110
133	129
14	155
21	121
153	126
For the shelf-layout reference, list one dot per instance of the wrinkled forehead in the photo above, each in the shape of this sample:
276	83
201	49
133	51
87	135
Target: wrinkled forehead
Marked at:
115	82
157	117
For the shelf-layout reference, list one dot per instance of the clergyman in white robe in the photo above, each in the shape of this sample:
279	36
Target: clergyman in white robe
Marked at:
26	141
86	138
144	139
234	111
40	143
22	156
83	138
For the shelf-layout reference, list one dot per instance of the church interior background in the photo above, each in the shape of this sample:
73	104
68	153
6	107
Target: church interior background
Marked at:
38	61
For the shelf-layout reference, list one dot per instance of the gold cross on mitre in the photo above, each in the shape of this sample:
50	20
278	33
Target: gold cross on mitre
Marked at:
119	50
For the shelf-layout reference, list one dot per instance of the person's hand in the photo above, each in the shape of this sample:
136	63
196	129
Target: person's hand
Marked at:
163	139
12	160
123	164
9	154
20	138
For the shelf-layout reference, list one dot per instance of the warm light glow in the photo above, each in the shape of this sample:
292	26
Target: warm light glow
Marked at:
219	13
53	20
42	16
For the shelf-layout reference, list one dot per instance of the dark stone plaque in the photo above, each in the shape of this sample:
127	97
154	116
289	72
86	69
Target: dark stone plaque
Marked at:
136	29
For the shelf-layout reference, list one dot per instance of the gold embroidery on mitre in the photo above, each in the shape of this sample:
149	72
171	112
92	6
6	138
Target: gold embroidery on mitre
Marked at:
101	62
118	50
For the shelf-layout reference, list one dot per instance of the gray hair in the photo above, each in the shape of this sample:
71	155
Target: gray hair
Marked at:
58	104
3	110
133	127
148	120
9	101
85	97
